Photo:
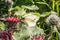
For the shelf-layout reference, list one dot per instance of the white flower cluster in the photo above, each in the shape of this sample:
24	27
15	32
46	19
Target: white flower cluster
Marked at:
53	19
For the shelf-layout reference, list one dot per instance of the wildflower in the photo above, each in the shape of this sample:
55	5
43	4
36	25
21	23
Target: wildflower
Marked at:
5	35
12	19
53	19
9	1
38	38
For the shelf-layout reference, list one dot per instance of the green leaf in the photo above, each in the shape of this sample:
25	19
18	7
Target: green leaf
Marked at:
45	14
37	14
15	8
32	7
44	4
2	26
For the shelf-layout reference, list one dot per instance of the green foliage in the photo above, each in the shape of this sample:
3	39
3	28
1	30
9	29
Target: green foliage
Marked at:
3	7
26	32
40	8
2	25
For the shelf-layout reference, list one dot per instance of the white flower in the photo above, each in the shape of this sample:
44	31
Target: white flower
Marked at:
31	19
53	19
9	1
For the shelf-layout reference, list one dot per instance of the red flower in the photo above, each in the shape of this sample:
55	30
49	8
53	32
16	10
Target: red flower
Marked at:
38	38
5	35
12	19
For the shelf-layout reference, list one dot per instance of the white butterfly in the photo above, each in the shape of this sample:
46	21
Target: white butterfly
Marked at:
31	19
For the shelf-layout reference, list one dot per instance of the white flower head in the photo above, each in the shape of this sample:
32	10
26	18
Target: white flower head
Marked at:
9	1
31	19
53	19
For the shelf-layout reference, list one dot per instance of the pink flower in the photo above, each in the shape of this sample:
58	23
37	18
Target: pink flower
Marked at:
38	38
12	19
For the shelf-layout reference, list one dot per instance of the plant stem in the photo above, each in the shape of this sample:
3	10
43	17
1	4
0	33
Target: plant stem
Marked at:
44	4
53	5
57	8
44	1
52	29
56	31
